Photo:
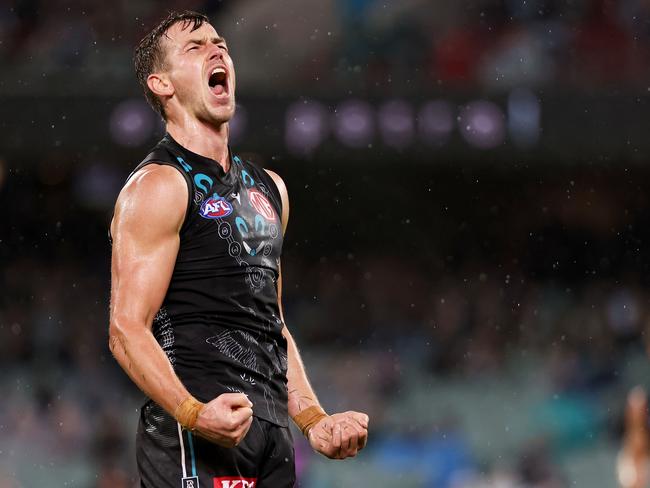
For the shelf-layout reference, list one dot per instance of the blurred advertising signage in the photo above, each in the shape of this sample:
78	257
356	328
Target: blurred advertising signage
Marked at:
399	124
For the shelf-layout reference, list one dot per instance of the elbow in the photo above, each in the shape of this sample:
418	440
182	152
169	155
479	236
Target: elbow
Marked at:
123	330
118	334
115	337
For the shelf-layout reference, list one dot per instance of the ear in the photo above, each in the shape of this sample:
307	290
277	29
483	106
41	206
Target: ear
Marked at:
160	85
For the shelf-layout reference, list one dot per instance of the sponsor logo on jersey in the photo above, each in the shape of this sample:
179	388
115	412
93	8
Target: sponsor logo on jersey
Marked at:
192	482
227	482
215	208
261	204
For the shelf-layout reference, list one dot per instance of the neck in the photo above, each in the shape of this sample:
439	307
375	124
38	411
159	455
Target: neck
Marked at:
201	138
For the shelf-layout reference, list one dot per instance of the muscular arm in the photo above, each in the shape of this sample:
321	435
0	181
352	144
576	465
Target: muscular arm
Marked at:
337	436
148	216
145	229
301	394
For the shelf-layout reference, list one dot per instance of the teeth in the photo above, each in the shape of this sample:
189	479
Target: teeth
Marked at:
218	70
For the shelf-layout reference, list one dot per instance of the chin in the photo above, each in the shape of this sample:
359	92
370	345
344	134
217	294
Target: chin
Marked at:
223	118
218	116
222	112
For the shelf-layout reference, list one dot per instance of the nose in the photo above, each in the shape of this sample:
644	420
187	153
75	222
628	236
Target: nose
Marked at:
215	53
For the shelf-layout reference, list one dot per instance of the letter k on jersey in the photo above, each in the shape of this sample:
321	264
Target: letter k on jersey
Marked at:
229	482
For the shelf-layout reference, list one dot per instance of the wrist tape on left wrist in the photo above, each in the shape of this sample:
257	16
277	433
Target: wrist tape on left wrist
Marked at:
309	417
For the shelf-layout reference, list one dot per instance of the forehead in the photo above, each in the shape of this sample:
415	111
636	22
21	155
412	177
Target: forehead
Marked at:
176	35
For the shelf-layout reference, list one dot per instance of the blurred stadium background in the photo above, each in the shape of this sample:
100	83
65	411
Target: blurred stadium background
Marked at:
467	257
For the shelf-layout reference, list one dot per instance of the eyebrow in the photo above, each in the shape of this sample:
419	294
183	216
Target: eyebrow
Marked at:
202	40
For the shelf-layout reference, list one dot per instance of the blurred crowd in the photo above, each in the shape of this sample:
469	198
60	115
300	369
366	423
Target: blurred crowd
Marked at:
341	45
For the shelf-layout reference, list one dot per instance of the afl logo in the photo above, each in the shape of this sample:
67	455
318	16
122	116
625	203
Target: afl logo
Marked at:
261	204
215	208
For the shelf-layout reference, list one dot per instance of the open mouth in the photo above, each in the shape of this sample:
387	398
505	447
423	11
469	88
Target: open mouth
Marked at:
218	81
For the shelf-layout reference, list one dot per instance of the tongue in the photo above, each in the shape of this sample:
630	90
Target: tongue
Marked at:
218	89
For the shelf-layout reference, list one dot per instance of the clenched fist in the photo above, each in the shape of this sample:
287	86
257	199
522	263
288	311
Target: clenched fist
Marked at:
340	435
226	419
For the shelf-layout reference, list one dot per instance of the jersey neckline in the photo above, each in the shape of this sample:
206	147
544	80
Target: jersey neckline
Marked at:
204	159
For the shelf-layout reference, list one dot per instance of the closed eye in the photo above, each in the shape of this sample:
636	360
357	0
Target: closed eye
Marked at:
220	44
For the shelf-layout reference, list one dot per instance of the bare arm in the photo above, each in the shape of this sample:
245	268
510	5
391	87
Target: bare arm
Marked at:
336	436
148	216
301	394
145	232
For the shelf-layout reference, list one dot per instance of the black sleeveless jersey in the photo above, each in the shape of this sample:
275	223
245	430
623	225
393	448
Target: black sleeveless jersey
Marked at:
219	323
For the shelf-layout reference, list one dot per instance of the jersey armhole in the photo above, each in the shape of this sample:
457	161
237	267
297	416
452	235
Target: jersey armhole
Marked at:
274	189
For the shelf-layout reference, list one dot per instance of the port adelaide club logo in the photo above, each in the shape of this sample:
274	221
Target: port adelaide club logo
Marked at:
261	204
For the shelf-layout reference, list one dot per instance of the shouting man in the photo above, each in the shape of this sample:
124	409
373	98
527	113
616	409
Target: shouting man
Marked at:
196	314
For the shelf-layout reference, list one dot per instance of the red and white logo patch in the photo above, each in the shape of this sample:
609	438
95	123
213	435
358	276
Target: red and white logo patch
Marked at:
229	482
261	204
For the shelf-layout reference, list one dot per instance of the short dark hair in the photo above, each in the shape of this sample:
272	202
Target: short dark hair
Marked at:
149	55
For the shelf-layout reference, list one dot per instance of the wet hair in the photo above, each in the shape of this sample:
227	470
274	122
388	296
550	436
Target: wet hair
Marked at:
149	55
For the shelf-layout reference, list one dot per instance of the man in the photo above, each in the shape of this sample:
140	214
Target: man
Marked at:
196	316
633	458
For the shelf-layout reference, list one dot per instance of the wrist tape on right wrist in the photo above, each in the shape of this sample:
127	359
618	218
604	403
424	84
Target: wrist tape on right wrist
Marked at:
187	412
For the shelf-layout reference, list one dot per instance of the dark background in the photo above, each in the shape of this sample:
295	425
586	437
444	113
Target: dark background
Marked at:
467	253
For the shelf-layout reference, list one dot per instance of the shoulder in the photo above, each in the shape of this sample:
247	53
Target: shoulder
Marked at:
279	182
284	196
156	180
157	192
